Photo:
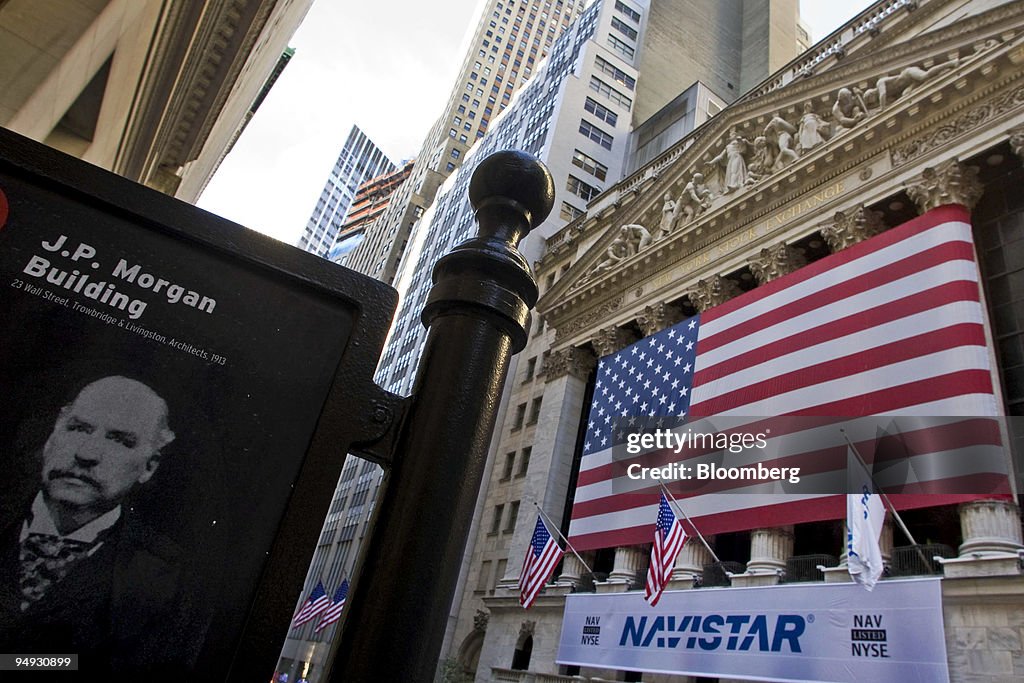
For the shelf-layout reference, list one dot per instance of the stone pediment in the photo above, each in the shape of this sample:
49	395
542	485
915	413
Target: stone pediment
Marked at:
763	153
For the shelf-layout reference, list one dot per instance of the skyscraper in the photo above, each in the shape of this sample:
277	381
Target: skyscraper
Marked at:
358	161
512	38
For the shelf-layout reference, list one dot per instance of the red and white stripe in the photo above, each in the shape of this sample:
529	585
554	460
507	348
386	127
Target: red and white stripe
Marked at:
536	570
891	326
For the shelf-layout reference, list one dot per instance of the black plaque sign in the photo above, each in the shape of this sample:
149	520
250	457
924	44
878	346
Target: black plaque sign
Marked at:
177	394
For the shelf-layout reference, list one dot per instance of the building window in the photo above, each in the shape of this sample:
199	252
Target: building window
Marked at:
510	461
520	416
590	165
535	410
623	28
627	10
485	577
615	72
621	47
450	167
496	520
455	154
513	512
524	461
569	212
581	189
531	368
596	134
601	112
462	138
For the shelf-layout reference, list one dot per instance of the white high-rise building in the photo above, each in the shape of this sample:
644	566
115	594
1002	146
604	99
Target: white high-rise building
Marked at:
358	161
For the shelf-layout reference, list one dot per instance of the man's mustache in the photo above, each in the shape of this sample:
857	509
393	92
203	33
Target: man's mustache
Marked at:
71	474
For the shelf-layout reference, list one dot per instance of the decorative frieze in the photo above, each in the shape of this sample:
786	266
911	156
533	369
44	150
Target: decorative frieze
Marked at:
947	183
775	261
851	227
571	361
712	292
658	317
965	123
608	340
588	320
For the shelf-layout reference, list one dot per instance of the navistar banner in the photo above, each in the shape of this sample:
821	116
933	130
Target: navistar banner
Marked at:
834	633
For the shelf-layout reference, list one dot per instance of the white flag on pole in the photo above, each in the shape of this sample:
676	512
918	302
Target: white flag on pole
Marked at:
865	514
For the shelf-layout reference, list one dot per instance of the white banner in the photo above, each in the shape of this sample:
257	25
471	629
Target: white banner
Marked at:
810	633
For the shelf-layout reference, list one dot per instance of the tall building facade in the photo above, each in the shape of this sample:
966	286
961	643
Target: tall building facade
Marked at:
153	91
908	109
358	161
371	199
512	38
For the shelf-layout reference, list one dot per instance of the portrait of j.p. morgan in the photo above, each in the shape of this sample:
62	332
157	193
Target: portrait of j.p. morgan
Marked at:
81	569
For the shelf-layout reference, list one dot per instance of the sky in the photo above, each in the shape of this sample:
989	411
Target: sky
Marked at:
386	66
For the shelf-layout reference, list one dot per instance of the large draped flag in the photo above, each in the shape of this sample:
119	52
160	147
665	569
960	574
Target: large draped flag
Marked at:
316	603
669	538
542	556
891	326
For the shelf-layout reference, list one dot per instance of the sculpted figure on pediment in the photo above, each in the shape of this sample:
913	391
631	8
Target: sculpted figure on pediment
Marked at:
669	212
812	131
732	161
631	240
779	133
847	111
695	198
761	160
888	89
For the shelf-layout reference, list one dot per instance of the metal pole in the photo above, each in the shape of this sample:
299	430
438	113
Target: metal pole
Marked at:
476	313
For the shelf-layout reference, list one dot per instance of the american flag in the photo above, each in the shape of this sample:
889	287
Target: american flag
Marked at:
669	538
314	605
542	555
891	326
333	613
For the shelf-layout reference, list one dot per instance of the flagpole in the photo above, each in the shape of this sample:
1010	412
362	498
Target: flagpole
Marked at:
679	510
885	498
547	520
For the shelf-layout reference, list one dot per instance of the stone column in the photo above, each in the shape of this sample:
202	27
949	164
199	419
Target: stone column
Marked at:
608	340
850	227
992	544
775	261
658	317
572	570
712	292
565	373
690	563
947	183
628	562
769	550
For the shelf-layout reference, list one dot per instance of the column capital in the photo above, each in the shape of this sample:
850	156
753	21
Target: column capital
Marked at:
851	227
712	292
571	361
608	340
775	261
657	317
949	182
1017	141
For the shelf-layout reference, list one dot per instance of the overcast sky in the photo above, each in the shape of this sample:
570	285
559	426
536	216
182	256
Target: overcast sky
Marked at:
386	66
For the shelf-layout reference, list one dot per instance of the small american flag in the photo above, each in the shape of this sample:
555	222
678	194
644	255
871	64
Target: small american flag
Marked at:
668	541
333	613
314	605
541	557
